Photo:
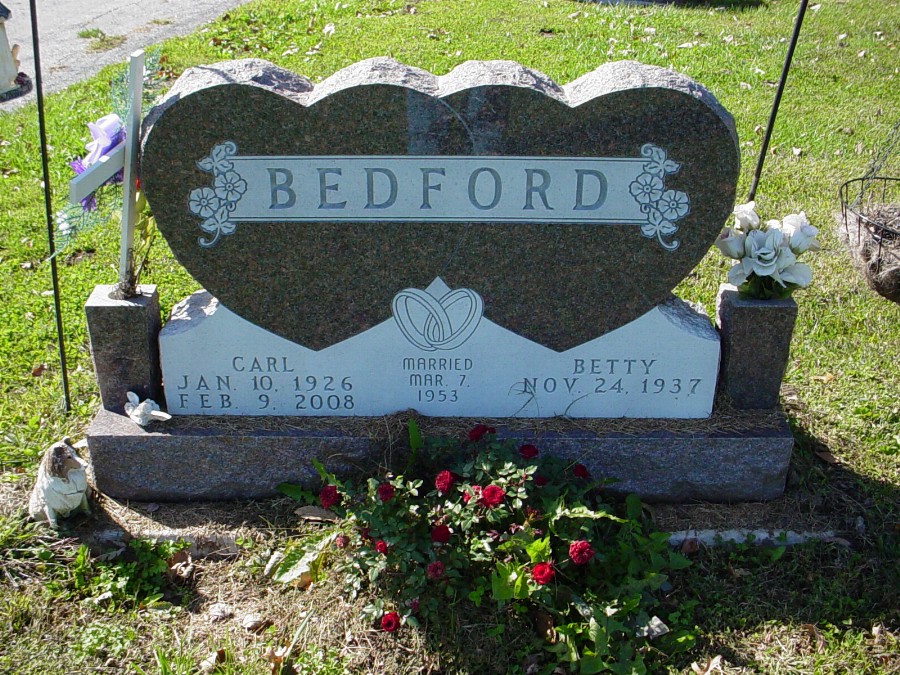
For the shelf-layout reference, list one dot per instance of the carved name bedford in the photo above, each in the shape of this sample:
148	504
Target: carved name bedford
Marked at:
595	190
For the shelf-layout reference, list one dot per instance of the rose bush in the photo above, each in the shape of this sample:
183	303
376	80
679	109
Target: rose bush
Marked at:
390	621
517	527
528	451
443	481
385	492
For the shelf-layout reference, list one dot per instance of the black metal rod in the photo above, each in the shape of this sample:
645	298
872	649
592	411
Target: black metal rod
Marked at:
48	206
784	74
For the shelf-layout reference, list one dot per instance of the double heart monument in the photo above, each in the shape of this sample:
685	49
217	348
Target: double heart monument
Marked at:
482	245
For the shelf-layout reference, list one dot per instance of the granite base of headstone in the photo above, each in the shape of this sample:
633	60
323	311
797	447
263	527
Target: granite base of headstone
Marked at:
756	343
209	458
197	458
124	344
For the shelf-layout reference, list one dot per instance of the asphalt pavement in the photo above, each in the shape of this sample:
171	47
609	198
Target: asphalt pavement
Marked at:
66	58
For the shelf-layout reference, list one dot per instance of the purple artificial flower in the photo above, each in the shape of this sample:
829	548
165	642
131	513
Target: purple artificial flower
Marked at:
107	133
89	203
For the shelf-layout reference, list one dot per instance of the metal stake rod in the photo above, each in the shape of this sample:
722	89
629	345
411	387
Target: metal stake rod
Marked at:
784	73
48	208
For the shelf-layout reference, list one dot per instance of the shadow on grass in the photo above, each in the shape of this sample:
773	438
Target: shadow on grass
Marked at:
759	606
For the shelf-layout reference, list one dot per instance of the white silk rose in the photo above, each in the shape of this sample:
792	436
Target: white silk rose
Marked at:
799	273
731	243
745	218
764	254
802	235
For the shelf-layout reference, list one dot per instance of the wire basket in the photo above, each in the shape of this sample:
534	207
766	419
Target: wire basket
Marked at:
870	223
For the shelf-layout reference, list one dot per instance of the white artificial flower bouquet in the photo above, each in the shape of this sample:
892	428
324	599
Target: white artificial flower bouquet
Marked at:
766	253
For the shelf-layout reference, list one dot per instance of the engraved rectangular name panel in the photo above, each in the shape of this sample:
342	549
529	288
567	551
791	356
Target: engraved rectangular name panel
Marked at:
472	189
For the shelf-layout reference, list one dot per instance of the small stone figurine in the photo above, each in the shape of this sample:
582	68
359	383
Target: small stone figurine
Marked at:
61	485
144	412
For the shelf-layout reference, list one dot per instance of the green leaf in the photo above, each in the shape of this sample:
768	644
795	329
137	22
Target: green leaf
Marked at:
296	493
599	634
304	560
521	591
576	601
591	664
539	550
678	561
560	510
580	511
633	507
568	635
514	543
326	476
503	581
415	436
774	553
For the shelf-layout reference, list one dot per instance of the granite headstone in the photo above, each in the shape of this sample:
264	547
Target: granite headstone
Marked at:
485	243
570	210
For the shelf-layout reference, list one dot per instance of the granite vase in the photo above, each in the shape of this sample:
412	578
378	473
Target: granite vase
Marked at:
756	342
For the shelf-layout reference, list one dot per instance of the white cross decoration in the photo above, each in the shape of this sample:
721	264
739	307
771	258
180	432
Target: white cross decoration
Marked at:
123	156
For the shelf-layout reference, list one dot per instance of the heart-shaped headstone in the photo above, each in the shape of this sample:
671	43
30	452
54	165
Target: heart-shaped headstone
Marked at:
569	210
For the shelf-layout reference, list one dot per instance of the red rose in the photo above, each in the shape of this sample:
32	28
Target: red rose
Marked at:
342	541
540	480
390	621
443	481
492	496
542	573
580	471
478	432
328	496
414	605
435	570
528	451
385	492
364	533
580	552
381	546
440	534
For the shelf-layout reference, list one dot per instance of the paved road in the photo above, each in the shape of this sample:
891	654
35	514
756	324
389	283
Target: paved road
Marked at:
65	58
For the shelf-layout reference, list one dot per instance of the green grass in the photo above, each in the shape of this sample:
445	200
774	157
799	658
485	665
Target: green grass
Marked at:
90	33
106	42
100	41
842	388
